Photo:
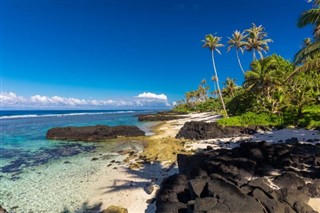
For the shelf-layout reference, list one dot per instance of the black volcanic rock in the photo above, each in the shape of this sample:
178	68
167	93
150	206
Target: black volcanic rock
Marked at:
255	177
93	133
161	116
200	130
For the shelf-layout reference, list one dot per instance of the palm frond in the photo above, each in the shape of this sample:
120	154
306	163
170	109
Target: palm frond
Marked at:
212	42
260	54
309	17
218	51
313	64
252	75
308	51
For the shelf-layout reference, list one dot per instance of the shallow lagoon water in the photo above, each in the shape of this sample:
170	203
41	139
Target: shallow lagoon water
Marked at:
37	175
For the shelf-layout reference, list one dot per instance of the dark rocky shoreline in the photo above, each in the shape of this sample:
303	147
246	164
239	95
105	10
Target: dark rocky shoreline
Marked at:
199	130
161	116
93	133
237	180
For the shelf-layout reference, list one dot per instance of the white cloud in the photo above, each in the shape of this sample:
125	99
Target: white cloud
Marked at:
144	100
152	96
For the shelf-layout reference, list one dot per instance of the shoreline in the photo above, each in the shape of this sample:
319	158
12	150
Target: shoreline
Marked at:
139	164
126	186
129	190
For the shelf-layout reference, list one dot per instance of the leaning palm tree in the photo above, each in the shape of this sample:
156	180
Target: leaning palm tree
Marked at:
237	42
307	42
212	42
311	17
257	41
309	56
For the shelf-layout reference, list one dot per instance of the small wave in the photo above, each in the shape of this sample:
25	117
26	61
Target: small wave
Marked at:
18	116
61	115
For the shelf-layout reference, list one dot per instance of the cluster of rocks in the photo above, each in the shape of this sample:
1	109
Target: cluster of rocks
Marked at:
255	177
161	116
93	133
200	130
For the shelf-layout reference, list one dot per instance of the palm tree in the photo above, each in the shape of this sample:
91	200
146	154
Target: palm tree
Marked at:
214	80
203	90
307	42
311	17
264	82
237	42
256	41
307	52
261	76
309	55
212	42
230	87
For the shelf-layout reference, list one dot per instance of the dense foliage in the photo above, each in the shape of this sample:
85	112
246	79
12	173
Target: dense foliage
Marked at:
276	92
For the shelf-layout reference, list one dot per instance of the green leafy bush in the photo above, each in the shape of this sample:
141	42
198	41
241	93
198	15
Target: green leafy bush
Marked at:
250	118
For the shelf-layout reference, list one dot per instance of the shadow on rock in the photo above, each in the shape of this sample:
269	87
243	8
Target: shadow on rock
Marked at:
255	177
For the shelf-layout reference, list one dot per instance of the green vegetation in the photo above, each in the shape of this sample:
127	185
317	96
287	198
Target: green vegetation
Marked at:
250	119
276	91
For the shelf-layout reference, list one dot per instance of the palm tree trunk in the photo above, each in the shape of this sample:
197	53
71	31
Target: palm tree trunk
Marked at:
254	57
214	89
239	61
215	72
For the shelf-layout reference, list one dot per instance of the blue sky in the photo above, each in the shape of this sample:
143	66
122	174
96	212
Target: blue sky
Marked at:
118	49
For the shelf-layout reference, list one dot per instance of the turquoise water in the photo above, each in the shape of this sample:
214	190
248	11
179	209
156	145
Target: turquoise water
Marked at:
39	175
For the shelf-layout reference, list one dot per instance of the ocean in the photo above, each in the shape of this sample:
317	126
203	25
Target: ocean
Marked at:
39	175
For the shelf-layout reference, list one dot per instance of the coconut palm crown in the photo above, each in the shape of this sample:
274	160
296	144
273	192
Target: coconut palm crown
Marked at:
237	42
212	42
257	41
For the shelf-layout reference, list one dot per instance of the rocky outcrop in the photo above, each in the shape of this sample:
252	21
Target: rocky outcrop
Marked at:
160	116
93	133
255	177
200	130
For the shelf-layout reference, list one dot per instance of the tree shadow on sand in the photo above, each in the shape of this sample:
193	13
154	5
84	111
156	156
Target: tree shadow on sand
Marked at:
85	208
149	173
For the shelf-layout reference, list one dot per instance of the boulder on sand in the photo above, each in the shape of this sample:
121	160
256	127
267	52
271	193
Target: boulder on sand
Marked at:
161	116
93	133
200	130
